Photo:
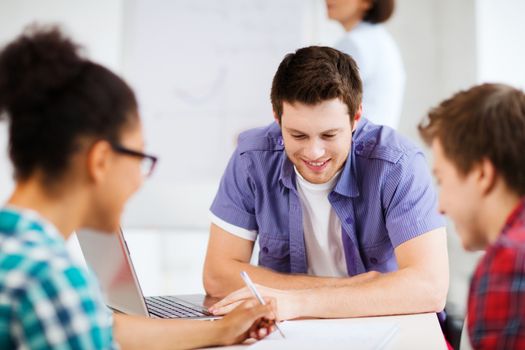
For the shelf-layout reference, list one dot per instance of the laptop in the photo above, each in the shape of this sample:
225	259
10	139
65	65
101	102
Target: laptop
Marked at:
108	256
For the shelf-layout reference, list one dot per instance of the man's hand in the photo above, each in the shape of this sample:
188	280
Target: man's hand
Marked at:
288	305
247	320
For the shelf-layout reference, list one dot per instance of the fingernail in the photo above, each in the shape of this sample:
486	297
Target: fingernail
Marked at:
262	332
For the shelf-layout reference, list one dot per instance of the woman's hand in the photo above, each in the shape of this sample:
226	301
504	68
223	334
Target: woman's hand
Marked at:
248	320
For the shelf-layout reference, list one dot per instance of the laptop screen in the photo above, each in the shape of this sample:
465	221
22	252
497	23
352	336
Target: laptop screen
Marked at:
107	255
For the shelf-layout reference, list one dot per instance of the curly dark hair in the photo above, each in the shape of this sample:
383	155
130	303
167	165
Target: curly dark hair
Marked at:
53	97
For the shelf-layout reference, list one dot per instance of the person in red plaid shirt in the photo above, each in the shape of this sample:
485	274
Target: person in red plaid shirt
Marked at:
478	141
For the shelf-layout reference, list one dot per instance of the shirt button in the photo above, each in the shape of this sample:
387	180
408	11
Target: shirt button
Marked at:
281	142
265	250
349	220
359	147
373	260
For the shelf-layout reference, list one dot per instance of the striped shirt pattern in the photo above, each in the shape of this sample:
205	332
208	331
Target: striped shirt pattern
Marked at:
46	300
496	307
384	197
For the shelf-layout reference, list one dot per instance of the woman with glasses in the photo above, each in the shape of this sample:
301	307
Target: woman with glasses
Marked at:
76	144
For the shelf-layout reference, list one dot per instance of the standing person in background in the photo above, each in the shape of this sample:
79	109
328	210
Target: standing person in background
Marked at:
76	143
376	53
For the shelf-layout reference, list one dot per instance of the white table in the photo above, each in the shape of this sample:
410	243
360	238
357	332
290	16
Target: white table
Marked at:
418	331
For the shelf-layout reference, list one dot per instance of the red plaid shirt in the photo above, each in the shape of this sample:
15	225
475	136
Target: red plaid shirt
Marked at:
496	307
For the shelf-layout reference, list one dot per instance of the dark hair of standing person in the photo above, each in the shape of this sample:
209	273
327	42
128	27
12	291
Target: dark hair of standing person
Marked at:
380	11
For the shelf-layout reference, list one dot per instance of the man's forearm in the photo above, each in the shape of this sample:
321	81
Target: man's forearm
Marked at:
401	292
420	284
226	279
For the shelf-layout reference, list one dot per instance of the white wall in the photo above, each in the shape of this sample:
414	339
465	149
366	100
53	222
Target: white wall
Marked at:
202	72
96	24
501	52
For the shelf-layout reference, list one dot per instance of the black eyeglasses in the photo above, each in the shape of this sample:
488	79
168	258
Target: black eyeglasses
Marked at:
148	162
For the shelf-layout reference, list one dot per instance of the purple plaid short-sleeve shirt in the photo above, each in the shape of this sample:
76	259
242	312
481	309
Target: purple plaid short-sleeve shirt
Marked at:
383	198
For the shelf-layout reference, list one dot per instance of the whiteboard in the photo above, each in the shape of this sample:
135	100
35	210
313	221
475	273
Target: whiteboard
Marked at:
202	71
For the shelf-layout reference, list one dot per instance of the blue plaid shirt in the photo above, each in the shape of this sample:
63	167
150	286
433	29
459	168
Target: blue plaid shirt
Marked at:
384	197
46	300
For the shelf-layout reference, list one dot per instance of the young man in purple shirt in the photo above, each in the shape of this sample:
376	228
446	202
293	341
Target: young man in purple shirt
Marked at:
344	209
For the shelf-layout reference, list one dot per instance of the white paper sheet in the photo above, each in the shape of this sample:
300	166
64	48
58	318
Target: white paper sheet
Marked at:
329	334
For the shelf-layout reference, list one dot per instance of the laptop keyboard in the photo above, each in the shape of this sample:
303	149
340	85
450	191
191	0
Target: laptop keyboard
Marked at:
169	307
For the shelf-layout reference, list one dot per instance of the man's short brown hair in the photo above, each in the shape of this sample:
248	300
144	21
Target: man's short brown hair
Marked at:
484	122
315	74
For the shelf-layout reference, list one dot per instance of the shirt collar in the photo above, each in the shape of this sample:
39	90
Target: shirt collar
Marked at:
287	177
517	215
347	184
34	219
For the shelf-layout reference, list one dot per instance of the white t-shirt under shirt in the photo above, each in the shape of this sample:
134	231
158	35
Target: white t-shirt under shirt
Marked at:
381	70
322	229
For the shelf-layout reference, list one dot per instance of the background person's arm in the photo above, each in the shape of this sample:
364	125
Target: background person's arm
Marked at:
228	255
420	285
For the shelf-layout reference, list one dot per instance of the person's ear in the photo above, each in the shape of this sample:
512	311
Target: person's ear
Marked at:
366	5
98	160
276	118
487	176
357	117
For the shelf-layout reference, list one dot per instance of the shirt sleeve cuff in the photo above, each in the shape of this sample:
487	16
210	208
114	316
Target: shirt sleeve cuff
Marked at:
240	232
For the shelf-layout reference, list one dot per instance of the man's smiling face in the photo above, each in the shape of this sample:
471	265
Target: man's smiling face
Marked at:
317	138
